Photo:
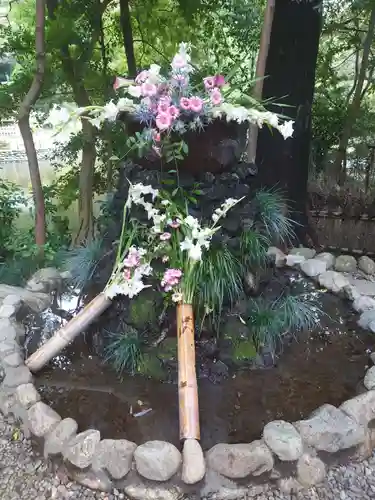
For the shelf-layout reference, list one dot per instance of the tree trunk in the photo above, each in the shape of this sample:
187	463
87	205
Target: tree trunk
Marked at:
127	34
290	71
187	377
68	332
24	124
355	105
260	74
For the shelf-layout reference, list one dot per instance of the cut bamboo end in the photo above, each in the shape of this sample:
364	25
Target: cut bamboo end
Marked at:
68	332
187	378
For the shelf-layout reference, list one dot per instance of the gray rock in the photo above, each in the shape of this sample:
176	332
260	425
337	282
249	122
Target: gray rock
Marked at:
13	300
141	491
36	301
7	330
369	381
41	419
367	320
115	456
361	408
277	256
193	464
157	460
45	280
313	267
364	287
351	292
7	311
95	480
27	395
8	347
330	429
333	281
59	436
310	470
238	461
364	303
366	265
81	449
16	376
290	486
283	439
15	359
328	258
308	253
294	260
346	264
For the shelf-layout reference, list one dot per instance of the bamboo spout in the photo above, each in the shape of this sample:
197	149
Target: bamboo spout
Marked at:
68	332
187	377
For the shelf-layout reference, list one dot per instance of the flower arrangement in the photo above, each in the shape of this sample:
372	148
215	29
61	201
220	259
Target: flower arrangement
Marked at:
168	246
170	105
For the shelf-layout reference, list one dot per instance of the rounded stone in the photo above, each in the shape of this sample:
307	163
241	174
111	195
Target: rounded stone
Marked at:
237	461
59	436
346	264
41	419
193	464
307	253
81	449
157	460
310	470
366	265
283	439
27	395
328	258
369	381
313	267
114	455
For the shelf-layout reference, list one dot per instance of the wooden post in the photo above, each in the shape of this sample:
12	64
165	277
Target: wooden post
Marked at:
187	377
68	332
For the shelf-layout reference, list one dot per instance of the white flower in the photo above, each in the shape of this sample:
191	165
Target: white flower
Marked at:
215	217
186	244
195	252
272	119
177	297
110	111
154	74
125	104
165	203
286	129
192	222
135	90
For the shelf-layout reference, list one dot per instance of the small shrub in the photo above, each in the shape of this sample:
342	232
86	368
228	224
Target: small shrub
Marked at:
124	351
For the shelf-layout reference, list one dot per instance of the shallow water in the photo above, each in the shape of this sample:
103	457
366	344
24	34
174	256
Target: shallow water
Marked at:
323	366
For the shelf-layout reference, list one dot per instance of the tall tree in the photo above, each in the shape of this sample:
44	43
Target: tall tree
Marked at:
23	119
290	72
355	103
127	36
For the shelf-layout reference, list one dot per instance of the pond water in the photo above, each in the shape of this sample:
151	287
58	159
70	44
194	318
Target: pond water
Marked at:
324	366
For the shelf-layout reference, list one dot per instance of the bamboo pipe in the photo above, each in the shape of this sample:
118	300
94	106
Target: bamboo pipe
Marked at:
187	377
68	332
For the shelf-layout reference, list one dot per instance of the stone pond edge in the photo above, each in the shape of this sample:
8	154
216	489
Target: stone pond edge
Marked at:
305	446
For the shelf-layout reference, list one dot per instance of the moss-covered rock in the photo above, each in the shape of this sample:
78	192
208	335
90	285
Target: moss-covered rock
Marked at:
244	351
151	366
145	309
167	350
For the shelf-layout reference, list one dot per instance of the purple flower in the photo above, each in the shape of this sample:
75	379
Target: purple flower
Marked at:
219	81
209	82
216	96
185	103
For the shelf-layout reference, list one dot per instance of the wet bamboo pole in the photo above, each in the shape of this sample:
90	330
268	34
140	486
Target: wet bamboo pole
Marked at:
68	332
187	377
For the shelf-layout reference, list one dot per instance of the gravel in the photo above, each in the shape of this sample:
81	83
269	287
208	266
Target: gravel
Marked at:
24	474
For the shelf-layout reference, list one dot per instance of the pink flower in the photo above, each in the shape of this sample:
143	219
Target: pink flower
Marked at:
142	77
173	112
216	96
209	82
163	121
119	82
127	274
156	135
164	104
148	89
165	236
219	81
185	103
196	104
133	259
179	61
175	224
171	278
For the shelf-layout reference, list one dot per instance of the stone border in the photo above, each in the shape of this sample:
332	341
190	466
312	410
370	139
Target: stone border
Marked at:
301	448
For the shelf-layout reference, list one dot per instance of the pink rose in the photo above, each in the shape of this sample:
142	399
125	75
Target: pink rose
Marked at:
209	82
148	89
216	97
173	111
196	104
219	81
185	103
163	121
